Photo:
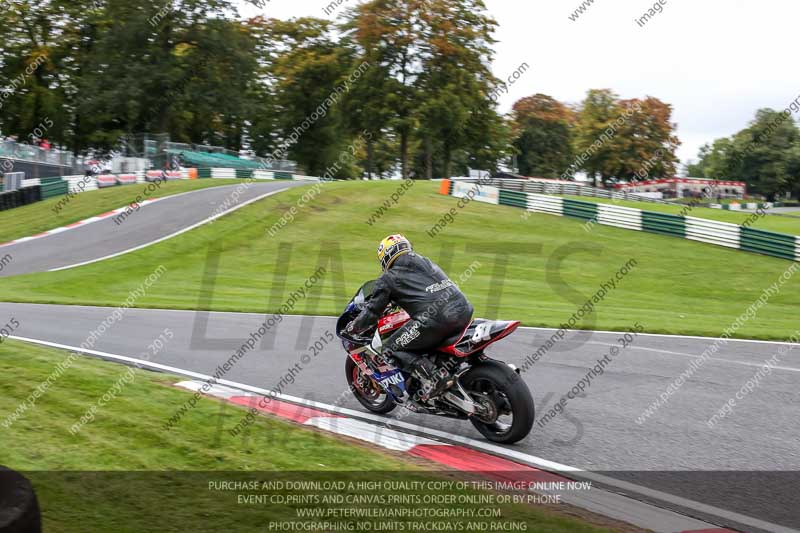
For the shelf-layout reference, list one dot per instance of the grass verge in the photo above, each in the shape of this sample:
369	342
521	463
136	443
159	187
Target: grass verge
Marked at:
122	472
36	218
540	270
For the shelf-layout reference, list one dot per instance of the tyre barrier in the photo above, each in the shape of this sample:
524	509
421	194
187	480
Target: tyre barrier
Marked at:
112	180
106	180
159	175
19	508
244	173
725	234
745	205
20	197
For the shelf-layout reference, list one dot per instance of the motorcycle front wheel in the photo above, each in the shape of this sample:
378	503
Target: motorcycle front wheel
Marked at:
507	399
366	391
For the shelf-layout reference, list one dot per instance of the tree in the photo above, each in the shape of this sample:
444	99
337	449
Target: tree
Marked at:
625	139
542	136
366	106
180	68
765	155
713	161
455	80
597	118
35	65
388	33
645	143
312	74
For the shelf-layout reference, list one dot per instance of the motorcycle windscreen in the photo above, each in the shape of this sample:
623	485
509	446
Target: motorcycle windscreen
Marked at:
354	307
364	293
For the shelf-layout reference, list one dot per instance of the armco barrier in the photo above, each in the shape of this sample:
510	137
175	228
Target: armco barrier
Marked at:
692	228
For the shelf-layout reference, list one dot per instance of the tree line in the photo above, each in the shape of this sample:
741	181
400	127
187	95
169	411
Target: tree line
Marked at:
765	155
424	106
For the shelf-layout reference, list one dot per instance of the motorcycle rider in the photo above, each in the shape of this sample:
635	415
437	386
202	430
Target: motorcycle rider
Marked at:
438	310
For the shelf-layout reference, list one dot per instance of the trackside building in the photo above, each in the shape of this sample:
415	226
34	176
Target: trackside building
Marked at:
687	188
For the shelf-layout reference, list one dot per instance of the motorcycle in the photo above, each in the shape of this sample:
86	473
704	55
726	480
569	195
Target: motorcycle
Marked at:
490	393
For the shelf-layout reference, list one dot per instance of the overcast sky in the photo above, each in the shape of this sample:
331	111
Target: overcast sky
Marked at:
716	62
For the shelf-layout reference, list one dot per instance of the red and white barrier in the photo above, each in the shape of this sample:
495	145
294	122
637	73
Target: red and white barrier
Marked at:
126	179
156	175
106	180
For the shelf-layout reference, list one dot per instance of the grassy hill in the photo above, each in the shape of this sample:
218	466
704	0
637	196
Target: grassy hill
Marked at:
540	270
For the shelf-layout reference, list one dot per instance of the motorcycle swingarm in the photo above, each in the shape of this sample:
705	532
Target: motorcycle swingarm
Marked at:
463	402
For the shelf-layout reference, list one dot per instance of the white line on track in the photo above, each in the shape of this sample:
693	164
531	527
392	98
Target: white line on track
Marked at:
553	330
171	235
666	335
435	433
695	356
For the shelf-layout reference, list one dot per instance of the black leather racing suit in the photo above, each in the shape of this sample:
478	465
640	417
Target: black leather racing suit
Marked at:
437	307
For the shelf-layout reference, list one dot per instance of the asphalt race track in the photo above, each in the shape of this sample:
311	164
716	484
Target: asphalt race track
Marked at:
151	222
743	464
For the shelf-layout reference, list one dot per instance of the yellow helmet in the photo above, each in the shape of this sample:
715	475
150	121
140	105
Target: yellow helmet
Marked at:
391	248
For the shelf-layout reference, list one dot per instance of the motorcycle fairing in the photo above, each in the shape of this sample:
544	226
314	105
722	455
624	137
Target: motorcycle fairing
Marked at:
392	321
385	376
480	334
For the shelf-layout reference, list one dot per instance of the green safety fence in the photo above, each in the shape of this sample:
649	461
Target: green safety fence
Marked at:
578	209
51	189
283	175
664	223
203	172
709	231
513	198
767	242
244	173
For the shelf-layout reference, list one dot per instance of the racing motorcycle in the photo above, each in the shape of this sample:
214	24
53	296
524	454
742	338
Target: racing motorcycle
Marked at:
489	393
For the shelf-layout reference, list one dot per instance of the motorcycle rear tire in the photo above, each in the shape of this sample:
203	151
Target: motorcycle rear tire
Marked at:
515	390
